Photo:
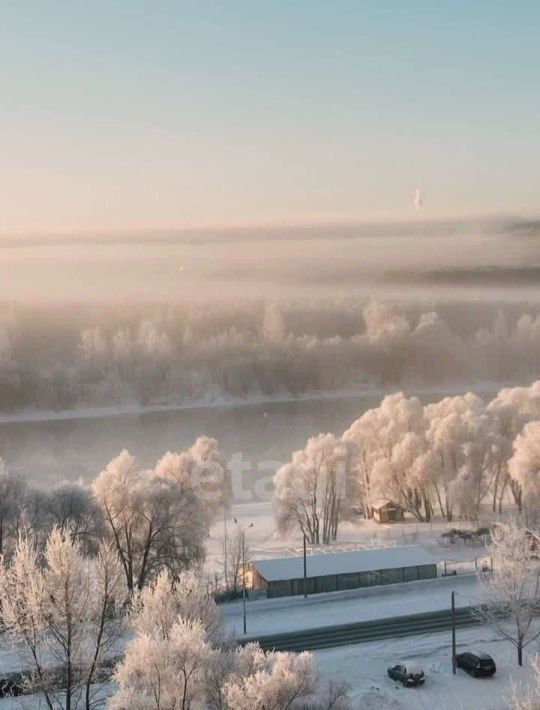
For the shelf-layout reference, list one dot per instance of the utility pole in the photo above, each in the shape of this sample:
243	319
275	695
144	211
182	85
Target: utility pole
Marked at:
453	633
305	568
244	580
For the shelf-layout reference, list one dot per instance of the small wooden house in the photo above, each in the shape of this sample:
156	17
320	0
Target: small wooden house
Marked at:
386	511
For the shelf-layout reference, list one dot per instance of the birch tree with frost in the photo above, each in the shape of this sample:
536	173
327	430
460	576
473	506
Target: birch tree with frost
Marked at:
509	593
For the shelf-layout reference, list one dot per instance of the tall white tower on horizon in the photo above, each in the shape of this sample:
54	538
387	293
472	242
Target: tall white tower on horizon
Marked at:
418	201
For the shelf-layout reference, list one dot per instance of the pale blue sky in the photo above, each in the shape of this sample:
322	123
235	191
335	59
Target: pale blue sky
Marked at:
169	114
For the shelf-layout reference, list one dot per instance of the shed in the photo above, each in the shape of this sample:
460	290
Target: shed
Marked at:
332	572
387	511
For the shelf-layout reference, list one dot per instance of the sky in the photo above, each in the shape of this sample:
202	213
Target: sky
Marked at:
157	115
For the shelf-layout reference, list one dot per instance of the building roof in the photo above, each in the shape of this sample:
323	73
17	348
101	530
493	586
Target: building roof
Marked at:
344	562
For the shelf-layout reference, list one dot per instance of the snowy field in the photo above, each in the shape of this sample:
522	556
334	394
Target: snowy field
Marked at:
264	542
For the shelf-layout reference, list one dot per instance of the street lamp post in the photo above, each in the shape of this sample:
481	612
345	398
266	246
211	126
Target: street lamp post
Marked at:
453	633
305	568
244	580
225	550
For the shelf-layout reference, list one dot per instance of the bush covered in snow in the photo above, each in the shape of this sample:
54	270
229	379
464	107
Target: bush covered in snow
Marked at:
179	660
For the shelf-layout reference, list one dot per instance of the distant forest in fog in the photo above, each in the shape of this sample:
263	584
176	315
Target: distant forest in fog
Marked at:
68	357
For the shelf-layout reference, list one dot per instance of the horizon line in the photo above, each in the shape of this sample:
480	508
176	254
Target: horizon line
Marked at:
271	225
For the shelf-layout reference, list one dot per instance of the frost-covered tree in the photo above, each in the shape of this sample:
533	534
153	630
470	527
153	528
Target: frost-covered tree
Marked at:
283	681
524	466
152	520
173	660
527	696
183	671
81	594
202	470
483	452
68	589
179	659
160	604
509	593
391	455
273	327
123	351
63	613
388	336
106	621
165	673
71	506
37	521
212	476
312	492
237	552
465	440
514	407
93	349
23	601
12	505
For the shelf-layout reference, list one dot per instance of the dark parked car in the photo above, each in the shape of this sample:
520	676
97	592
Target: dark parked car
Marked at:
477	664
408	673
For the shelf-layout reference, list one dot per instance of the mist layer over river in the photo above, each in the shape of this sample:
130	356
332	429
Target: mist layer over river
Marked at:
49	451
168	319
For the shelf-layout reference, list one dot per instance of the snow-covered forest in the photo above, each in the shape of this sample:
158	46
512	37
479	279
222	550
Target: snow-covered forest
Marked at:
65	357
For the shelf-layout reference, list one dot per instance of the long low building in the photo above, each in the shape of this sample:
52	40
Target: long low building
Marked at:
332	572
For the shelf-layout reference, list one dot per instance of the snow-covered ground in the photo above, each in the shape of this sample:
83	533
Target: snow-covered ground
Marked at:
364	666
37	701
284	614
256	518
264	542
268	616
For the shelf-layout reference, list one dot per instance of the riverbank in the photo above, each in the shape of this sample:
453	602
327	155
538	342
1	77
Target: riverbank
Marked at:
36	415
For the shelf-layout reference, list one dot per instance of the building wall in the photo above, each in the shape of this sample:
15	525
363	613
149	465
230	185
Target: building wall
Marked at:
334	583
383	515
257	580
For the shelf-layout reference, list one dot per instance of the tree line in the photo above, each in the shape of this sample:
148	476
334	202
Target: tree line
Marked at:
447	458
113	356
154	518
